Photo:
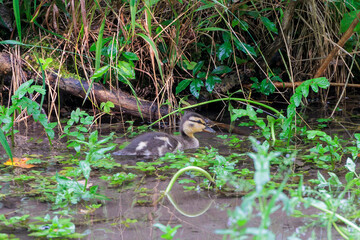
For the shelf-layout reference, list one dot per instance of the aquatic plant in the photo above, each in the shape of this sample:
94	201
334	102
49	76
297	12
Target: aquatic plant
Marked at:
169	232
20	103
53	228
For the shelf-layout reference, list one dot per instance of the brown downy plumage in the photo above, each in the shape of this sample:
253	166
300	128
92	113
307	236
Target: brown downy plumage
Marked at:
159	143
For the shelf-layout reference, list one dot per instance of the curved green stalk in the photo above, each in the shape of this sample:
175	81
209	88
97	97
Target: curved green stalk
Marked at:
340	231
197	214
272	128
181	171
218	100
338	216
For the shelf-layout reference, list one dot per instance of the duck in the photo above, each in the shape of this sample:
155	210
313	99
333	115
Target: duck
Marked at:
160	143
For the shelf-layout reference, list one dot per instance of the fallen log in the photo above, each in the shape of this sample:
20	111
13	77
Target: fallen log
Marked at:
123	101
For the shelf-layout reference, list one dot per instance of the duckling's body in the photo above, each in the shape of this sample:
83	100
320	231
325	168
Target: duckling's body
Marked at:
159	143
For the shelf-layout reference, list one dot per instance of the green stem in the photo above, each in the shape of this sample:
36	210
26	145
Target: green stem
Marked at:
218	100
340	231
181	171
272	128
338	216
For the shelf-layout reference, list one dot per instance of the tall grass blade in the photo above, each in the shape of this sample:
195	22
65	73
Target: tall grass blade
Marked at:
99	44
156	53
133	16
16	6
5	144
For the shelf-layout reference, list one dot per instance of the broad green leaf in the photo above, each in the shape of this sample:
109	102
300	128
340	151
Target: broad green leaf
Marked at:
246	48
224	51
349	176
321	178
221	70
100	72
334	179
126	70
182	85
347	20
23	89
322	82
198	67
195	87
350	165
130	56
297	98
269	25
305	91
266	87
5	144
85	168
189	65
201	75
210	82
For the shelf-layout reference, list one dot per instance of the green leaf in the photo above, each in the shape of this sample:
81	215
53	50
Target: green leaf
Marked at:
85	168
210	82
130	56
126	70
189	65
243	25
246	48
305	91
269	25
349	176
198	67
5	144
221	70
100	72
350	165
12	42
215	29
182	85
224	51
201	75
347	20
322	82
195	87
297	98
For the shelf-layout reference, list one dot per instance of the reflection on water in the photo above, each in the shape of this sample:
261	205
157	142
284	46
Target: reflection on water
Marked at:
199	213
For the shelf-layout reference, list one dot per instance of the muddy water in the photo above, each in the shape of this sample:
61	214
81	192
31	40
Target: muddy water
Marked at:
199	213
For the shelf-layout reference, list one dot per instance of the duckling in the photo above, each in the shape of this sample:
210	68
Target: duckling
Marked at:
159	143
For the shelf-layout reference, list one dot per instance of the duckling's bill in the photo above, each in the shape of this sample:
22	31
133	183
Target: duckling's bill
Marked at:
209	129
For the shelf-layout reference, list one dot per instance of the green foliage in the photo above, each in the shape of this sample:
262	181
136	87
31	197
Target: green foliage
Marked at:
266	86
332	152
301	91
15	222
169	232
261	202
70	191
21	102
119	178
106	107
347	20
53	228
200	77
5	144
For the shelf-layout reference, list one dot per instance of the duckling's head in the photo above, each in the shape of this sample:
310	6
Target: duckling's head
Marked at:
192	123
